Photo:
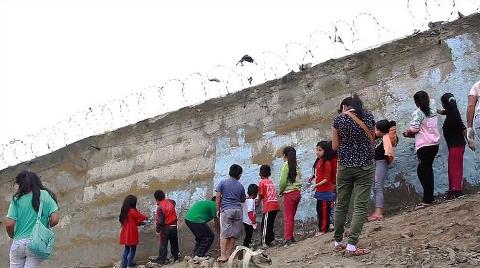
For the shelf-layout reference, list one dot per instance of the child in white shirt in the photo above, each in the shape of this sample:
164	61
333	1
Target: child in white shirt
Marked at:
249	216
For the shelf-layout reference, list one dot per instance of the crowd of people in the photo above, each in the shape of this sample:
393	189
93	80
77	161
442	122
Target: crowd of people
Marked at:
353	166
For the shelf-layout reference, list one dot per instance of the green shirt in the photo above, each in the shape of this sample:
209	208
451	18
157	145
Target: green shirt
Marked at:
22	212
202	212
284	184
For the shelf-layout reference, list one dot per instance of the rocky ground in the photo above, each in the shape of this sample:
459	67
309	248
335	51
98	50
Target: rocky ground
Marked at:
444	235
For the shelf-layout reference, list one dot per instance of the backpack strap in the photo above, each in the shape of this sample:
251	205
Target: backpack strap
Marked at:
247	255
361	124
40	207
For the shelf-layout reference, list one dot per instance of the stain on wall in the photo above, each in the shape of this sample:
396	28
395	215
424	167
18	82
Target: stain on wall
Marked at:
187	152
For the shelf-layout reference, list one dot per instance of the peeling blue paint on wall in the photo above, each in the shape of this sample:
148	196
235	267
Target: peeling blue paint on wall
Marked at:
465	58
242	155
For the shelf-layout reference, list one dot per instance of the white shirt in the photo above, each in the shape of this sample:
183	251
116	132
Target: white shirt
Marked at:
475	91
248	206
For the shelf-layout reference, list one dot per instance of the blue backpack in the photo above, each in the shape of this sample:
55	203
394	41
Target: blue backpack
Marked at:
42	240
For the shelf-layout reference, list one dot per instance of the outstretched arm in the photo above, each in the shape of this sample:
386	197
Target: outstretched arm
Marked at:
472	102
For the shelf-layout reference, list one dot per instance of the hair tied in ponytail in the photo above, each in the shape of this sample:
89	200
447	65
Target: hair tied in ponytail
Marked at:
451	99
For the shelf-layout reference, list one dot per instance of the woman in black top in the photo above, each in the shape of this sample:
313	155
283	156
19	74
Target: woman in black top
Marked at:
384	154
454	132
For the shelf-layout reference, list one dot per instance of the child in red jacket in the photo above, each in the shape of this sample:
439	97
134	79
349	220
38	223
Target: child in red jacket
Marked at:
130	219
166	226
324	185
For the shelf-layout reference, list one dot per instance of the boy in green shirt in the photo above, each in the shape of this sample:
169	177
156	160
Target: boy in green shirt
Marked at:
196	219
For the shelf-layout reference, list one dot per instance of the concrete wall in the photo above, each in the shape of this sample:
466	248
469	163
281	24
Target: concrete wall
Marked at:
188	151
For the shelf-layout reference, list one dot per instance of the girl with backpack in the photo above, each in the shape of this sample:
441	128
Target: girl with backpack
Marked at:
130	219
384	155
324	175
30	198
454	132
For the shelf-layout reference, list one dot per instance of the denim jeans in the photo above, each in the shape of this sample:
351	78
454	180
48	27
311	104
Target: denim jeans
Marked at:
21	257
128	256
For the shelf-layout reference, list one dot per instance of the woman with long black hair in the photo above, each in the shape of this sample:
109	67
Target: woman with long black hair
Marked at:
22	215
130	218
424	128
455	133
290	186
353	137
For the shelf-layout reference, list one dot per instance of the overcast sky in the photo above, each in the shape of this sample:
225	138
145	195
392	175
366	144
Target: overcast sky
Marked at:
60	57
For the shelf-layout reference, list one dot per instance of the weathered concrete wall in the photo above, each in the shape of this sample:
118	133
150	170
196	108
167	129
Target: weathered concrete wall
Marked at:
188	151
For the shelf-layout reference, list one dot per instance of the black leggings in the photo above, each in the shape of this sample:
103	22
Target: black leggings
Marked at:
426	155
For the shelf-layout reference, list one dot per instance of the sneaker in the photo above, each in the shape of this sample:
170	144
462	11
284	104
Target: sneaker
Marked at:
198	259
161	262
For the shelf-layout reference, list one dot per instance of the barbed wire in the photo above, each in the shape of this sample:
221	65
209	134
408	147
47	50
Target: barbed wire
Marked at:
339	39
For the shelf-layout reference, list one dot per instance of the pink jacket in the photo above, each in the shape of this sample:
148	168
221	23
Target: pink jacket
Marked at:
426	129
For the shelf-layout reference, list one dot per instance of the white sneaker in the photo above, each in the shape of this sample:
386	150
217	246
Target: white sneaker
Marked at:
197	259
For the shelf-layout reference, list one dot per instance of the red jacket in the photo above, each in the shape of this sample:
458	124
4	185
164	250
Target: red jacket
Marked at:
323	170
129	232
166	214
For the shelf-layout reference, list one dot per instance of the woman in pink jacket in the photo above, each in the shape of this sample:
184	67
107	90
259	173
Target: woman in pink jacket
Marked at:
424	127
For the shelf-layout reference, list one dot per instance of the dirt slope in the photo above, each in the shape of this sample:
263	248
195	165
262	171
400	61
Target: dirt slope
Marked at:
444	235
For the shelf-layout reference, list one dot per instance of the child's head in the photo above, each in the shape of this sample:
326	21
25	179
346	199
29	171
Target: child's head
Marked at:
252	190
128	203
159	195
235	171
448	101
422	100
382	127
325	150
265	171
290	155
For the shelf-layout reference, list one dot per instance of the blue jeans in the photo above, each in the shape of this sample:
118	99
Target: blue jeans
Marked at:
128	256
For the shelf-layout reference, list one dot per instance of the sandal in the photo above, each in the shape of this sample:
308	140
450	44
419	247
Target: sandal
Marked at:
318	234
339	248
358	252
221	260
374	217
422	206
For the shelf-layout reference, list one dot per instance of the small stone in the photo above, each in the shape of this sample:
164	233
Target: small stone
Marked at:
452	255
408	234
369	263
205	264
473	262
377	228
